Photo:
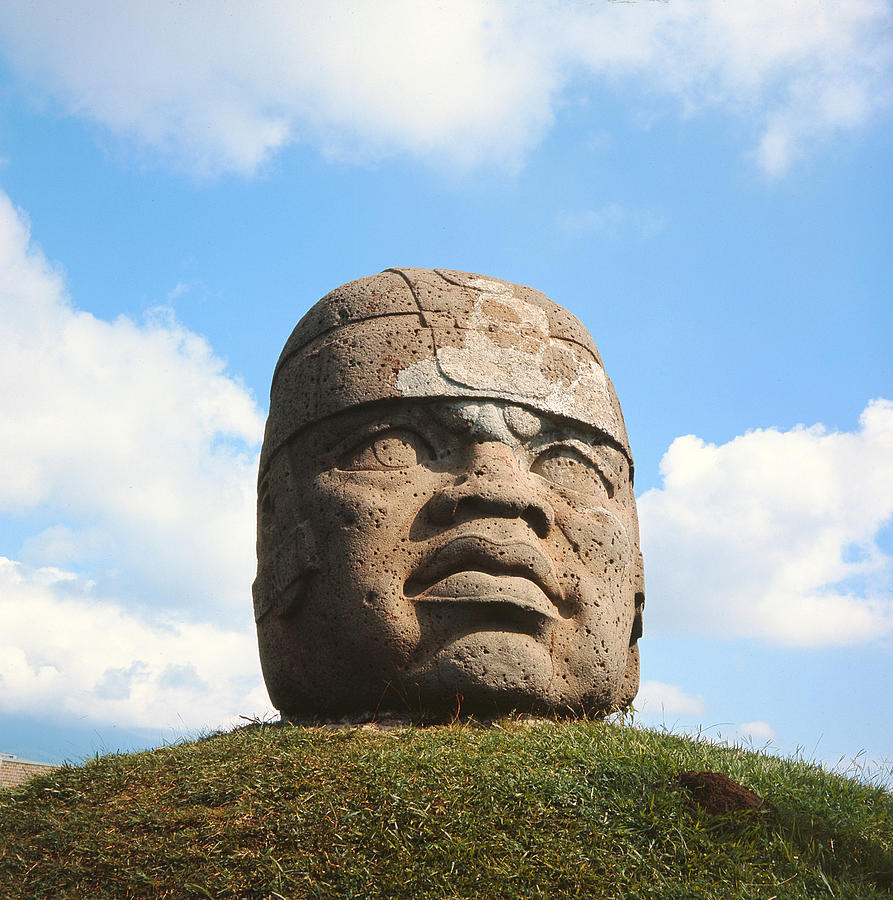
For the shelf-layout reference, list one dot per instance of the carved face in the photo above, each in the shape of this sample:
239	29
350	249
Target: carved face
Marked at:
459	554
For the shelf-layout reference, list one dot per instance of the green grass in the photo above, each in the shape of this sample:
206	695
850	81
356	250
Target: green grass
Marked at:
582	809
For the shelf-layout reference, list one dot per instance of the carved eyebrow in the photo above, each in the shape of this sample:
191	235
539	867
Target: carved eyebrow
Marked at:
366	430
586	450
589	451
415	418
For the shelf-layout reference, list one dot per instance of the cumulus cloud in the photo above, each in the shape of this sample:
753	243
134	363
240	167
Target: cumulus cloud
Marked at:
67	649
610	220
775	535
756	732
659	698
469	82
136	453
132	436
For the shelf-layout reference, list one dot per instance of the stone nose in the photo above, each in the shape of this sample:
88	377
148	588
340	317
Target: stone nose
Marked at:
493	485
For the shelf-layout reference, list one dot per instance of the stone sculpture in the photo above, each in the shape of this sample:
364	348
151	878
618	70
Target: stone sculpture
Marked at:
446	518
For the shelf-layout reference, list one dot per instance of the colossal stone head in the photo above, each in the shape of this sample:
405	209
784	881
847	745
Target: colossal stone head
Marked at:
446	519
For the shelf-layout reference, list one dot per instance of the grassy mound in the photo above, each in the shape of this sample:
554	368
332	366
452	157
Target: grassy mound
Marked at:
578	809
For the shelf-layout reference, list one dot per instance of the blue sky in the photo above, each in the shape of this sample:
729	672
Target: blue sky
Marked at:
706	185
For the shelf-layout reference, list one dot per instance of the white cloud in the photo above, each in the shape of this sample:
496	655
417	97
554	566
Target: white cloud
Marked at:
133	434
774	535
756	732
137	453
473	81
224	89
658	698
66	650
611	220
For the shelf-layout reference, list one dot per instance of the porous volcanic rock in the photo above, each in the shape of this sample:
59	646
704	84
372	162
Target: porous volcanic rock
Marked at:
446	517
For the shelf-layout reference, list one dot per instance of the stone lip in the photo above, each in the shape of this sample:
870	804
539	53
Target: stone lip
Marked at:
474	588
438	578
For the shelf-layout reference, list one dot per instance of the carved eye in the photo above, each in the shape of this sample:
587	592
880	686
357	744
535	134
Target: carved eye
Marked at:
567	467
394	449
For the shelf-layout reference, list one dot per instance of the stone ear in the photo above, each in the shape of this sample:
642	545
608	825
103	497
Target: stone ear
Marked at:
286	549
629	686
639	597
282	575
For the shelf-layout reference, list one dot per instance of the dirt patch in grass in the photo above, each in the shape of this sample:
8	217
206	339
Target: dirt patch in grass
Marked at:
718	794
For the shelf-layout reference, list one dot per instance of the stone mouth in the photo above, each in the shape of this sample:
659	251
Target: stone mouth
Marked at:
477	569
474	586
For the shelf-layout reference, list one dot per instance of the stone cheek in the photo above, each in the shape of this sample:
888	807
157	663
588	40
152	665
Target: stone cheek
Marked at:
597	654
353	629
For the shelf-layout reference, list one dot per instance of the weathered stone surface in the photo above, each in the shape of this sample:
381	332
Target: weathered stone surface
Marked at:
446	518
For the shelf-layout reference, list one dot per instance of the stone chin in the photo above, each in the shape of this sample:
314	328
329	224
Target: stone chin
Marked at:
497	672
490	673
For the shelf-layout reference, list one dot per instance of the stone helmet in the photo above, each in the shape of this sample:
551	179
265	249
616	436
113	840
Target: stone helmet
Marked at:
449	334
